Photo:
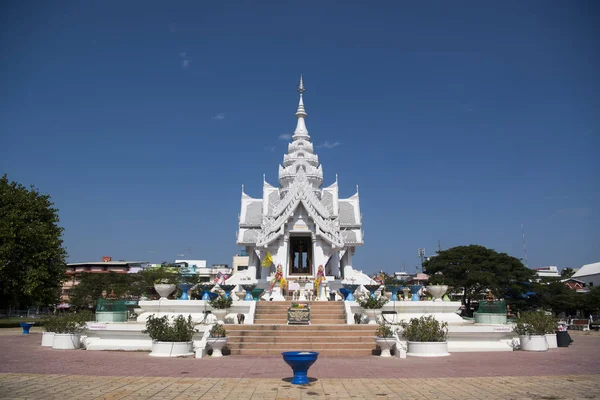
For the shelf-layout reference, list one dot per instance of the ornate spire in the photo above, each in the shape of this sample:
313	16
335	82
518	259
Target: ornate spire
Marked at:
301	86
301	131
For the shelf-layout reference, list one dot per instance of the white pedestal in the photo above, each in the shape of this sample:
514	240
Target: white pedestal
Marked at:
274	295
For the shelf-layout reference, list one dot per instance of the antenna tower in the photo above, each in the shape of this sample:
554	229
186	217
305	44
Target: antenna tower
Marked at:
524	245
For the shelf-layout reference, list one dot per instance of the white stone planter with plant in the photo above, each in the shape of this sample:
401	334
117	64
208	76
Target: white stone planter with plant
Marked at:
532	327
170	339
48	334
220	306
384	338
372	307
217	339
437	292
67	330
426	337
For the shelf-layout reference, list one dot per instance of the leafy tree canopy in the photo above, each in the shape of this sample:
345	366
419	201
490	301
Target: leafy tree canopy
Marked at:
566	273
32	257
473	269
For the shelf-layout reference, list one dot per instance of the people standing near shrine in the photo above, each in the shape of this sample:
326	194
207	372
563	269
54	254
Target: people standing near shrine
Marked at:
319	279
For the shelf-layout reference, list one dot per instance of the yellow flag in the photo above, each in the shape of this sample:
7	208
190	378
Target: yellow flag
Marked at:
268	260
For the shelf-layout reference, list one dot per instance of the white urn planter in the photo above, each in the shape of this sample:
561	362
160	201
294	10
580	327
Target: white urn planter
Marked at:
172	349
164	289
437	291
66	341
385	344
551	340
372	315
217	345
47	339
428	349
220	313
533	343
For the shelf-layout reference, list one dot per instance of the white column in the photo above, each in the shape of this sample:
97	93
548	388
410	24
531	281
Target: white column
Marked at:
349	257
286	256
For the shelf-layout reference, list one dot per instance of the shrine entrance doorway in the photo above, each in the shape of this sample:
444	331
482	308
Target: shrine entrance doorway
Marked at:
300	256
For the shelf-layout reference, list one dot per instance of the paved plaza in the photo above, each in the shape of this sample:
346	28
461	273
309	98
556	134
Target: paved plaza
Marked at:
29	371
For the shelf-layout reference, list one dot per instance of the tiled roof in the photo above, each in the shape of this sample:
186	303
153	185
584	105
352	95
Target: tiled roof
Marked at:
327	201
250	235
588	269
253	215
349	236
346	210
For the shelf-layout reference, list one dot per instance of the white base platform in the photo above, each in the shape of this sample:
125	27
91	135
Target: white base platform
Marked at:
463	335
195	308
125	336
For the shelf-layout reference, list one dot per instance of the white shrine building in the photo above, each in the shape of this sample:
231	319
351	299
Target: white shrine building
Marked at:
299	223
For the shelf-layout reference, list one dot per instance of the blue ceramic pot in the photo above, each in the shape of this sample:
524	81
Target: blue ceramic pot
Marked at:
300	361
26	326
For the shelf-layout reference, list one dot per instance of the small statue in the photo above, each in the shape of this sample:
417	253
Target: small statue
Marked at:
278	278
319	278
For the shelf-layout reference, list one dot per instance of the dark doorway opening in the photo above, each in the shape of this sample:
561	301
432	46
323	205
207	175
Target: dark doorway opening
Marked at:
300	255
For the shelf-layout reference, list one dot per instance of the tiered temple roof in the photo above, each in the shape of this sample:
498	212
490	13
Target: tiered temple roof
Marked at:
337	221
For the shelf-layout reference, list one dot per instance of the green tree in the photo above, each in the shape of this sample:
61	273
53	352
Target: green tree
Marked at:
91	285
474	269
32	257
566	273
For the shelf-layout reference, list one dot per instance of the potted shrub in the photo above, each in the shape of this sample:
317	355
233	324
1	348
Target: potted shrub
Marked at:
372	307
67	330
531	328
48	334
170	339
436	288
217	339
220	306
384	338
426	337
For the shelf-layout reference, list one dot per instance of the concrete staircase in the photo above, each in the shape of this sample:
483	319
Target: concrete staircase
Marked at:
321	312
328	333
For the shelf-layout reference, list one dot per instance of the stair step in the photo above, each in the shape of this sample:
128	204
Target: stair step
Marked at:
302	328
330	334
327	334
303	345
301	339
322	352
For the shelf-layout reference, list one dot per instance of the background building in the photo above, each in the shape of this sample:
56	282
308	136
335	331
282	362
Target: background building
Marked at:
240	262
74	270
589	273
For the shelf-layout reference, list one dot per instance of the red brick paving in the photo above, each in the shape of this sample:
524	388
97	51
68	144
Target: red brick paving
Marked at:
23	354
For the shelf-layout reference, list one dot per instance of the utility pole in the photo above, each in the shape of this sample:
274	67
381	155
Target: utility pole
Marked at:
421	256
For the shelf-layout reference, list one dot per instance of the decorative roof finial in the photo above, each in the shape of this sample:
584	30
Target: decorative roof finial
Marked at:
301	131
301	86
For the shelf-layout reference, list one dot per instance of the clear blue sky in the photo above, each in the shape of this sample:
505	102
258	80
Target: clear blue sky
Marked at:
458	120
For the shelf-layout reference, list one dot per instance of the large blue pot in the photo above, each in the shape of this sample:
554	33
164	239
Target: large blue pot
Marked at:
415	292
26	326
350	288
300	361
184	287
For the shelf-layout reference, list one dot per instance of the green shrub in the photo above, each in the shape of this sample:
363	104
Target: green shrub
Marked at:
425	329
221	302
384	331
159	329
535	323
72	323
372	303
15	322
218	331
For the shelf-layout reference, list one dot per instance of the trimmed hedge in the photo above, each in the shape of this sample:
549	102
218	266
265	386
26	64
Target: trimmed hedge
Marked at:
14	322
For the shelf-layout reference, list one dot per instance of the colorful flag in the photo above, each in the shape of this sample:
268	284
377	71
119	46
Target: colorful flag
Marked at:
268	260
